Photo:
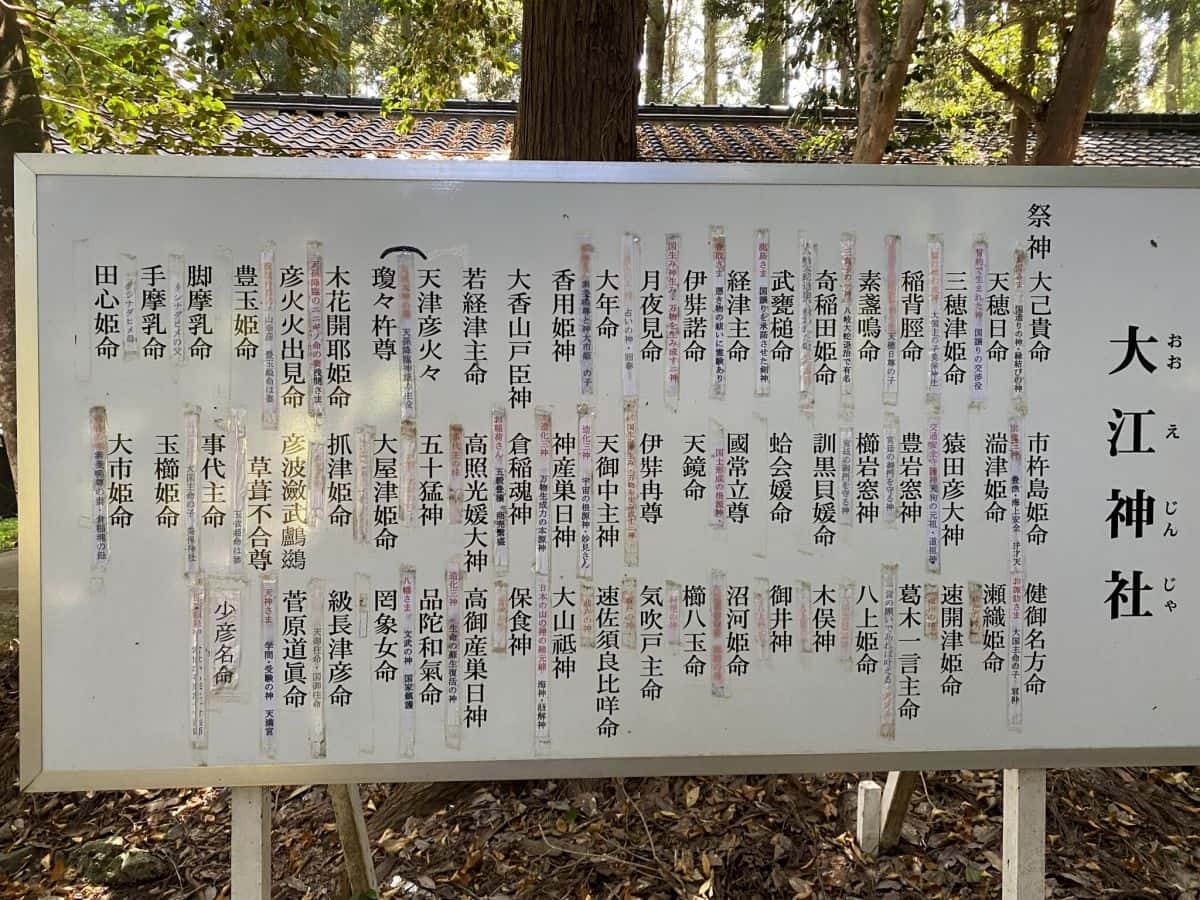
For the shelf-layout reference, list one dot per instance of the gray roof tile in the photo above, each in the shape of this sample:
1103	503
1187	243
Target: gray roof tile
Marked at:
313	125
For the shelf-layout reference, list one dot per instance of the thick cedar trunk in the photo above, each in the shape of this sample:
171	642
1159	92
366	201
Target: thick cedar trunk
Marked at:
656	49
579	80
1018	150
711	24
1059	130
772	83
881	78
22	130
1174	86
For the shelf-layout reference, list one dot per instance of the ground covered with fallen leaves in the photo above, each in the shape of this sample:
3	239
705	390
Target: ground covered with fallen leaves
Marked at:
1110	833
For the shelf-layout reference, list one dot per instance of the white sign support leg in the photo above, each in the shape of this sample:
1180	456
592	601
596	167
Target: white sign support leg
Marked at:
251	845
352	830
869	793
1024	834
897	792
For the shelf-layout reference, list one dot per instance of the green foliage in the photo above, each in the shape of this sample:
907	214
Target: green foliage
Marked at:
153	76
8	534
824	143
442	43
1119	86
947	89
229	39
145	76
1189	98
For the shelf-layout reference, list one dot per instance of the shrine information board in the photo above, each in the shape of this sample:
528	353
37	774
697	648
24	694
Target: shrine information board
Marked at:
385	470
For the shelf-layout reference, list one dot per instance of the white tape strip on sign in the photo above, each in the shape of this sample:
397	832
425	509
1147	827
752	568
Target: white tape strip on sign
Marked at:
891	329
541	669
1016	570
315	267
762	292
544	437
587	346
270	352
631	268
671	382
408	661
935	312
454	589
979	272
720	362
268	586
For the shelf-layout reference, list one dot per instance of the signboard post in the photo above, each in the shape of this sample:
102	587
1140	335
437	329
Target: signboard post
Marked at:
250	843
342	471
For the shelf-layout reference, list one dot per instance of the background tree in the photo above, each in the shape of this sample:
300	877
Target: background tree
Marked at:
1119	85
672	61
712	24
767	25
772	86
445	42
1022	121
1179	22
22	130
1082	37
826	43
884	55
580	80
658	22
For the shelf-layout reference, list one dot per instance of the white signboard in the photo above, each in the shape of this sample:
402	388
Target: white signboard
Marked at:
381	470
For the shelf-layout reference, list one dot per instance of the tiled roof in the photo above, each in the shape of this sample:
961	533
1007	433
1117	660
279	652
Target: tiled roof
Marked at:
314	125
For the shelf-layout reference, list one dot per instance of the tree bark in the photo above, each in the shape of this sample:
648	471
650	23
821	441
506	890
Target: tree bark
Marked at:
881	78
772	83
656	48
1018	149
22	130
711	25
1059	130
1174	86
579	80
672	65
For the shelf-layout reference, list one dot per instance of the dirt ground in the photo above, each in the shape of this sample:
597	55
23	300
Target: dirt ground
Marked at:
1110	833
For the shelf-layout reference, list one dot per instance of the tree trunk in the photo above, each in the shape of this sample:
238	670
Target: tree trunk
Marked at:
579	80
672	76
881	79
1174	86
772	84
711	26
656	47
23	131
1058	135
1018	151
